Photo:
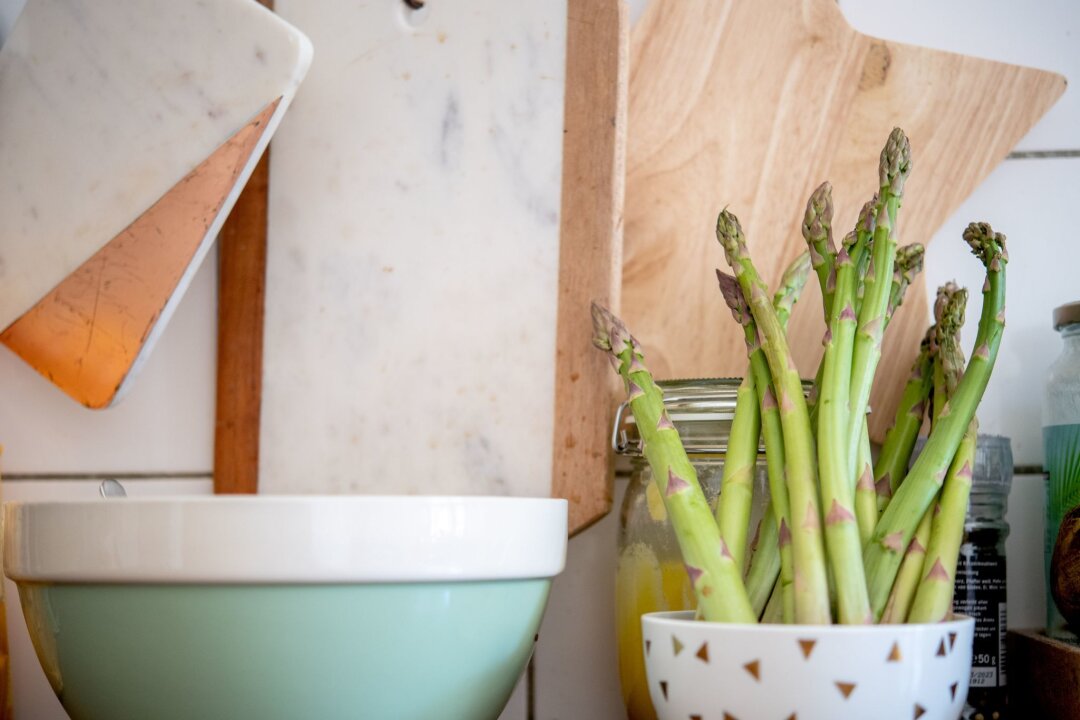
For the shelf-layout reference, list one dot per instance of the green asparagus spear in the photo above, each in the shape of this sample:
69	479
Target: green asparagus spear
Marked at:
817	230
764	563
740	465
714	575
948	317
907	578
866	503
900	439
837	488
883	554
933	600
791	285
893	170
909	263
808	552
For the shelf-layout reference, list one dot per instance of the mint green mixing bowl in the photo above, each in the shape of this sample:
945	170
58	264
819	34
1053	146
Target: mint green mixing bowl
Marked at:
363	622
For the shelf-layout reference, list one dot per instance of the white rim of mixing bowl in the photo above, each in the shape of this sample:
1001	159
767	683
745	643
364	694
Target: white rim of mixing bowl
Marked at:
281	539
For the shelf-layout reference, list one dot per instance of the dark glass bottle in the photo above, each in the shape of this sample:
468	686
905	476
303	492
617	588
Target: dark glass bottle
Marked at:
980	576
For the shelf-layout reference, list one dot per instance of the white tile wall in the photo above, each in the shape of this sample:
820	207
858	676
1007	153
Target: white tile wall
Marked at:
166	424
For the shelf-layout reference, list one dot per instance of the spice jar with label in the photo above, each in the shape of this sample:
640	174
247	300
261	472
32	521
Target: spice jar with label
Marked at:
650	575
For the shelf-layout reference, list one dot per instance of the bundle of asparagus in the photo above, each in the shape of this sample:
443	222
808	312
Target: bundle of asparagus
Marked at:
845	537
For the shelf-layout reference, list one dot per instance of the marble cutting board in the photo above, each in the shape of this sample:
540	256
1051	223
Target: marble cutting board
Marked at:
127	128
413	258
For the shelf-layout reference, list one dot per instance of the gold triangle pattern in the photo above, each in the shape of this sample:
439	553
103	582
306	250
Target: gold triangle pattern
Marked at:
807	647
845	688
676	644
941	649
952	641
663	688
754	668
703	652
88	332
894	654
648	646
952	689
919	711
728	716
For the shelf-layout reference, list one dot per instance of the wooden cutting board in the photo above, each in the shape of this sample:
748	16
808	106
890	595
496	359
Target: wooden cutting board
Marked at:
750	104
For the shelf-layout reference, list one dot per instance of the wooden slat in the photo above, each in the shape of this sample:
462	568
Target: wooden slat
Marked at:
590	252
241	303
242	288
750	104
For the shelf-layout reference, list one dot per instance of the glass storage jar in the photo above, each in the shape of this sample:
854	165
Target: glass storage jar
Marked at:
650	575
1061	442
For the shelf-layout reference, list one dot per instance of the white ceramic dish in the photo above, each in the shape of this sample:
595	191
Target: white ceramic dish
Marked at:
276	608
260	539
715	671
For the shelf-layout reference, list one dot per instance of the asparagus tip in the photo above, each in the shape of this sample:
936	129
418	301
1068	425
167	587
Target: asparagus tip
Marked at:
817	221
609	332
987	245
895	162
867	216
729	288
730	234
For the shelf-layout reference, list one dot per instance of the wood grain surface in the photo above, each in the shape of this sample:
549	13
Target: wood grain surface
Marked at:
241	305
750	104
1044	676
241	296
590	252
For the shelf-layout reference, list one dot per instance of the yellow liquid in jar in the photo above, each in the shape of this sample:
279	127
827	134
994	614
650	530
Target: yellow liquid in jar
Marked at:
643	585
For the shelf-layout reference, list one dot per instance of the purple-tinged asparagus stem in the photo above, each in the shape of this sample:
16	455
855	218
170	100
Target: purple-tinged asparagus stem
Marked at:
817	230
894	167
774	444
714	575
913	497
791	285
808	551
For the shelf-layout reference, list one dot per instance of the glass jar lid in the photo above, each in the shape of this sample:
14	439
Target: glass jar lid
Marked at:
701	409
1067	314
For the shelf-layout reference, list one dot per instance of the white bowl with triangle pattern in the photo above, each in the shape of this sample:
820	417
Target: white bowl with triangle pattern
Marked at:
716	671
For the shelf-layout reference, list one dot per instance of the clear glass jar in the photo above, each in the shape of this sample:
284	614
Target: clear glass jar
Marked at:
650	575
980	576
1061	442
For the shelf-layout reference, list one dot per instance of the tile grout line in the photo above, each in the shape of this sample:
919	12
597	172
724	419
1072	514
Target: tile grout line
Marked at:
1042	154
530	689
184	475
